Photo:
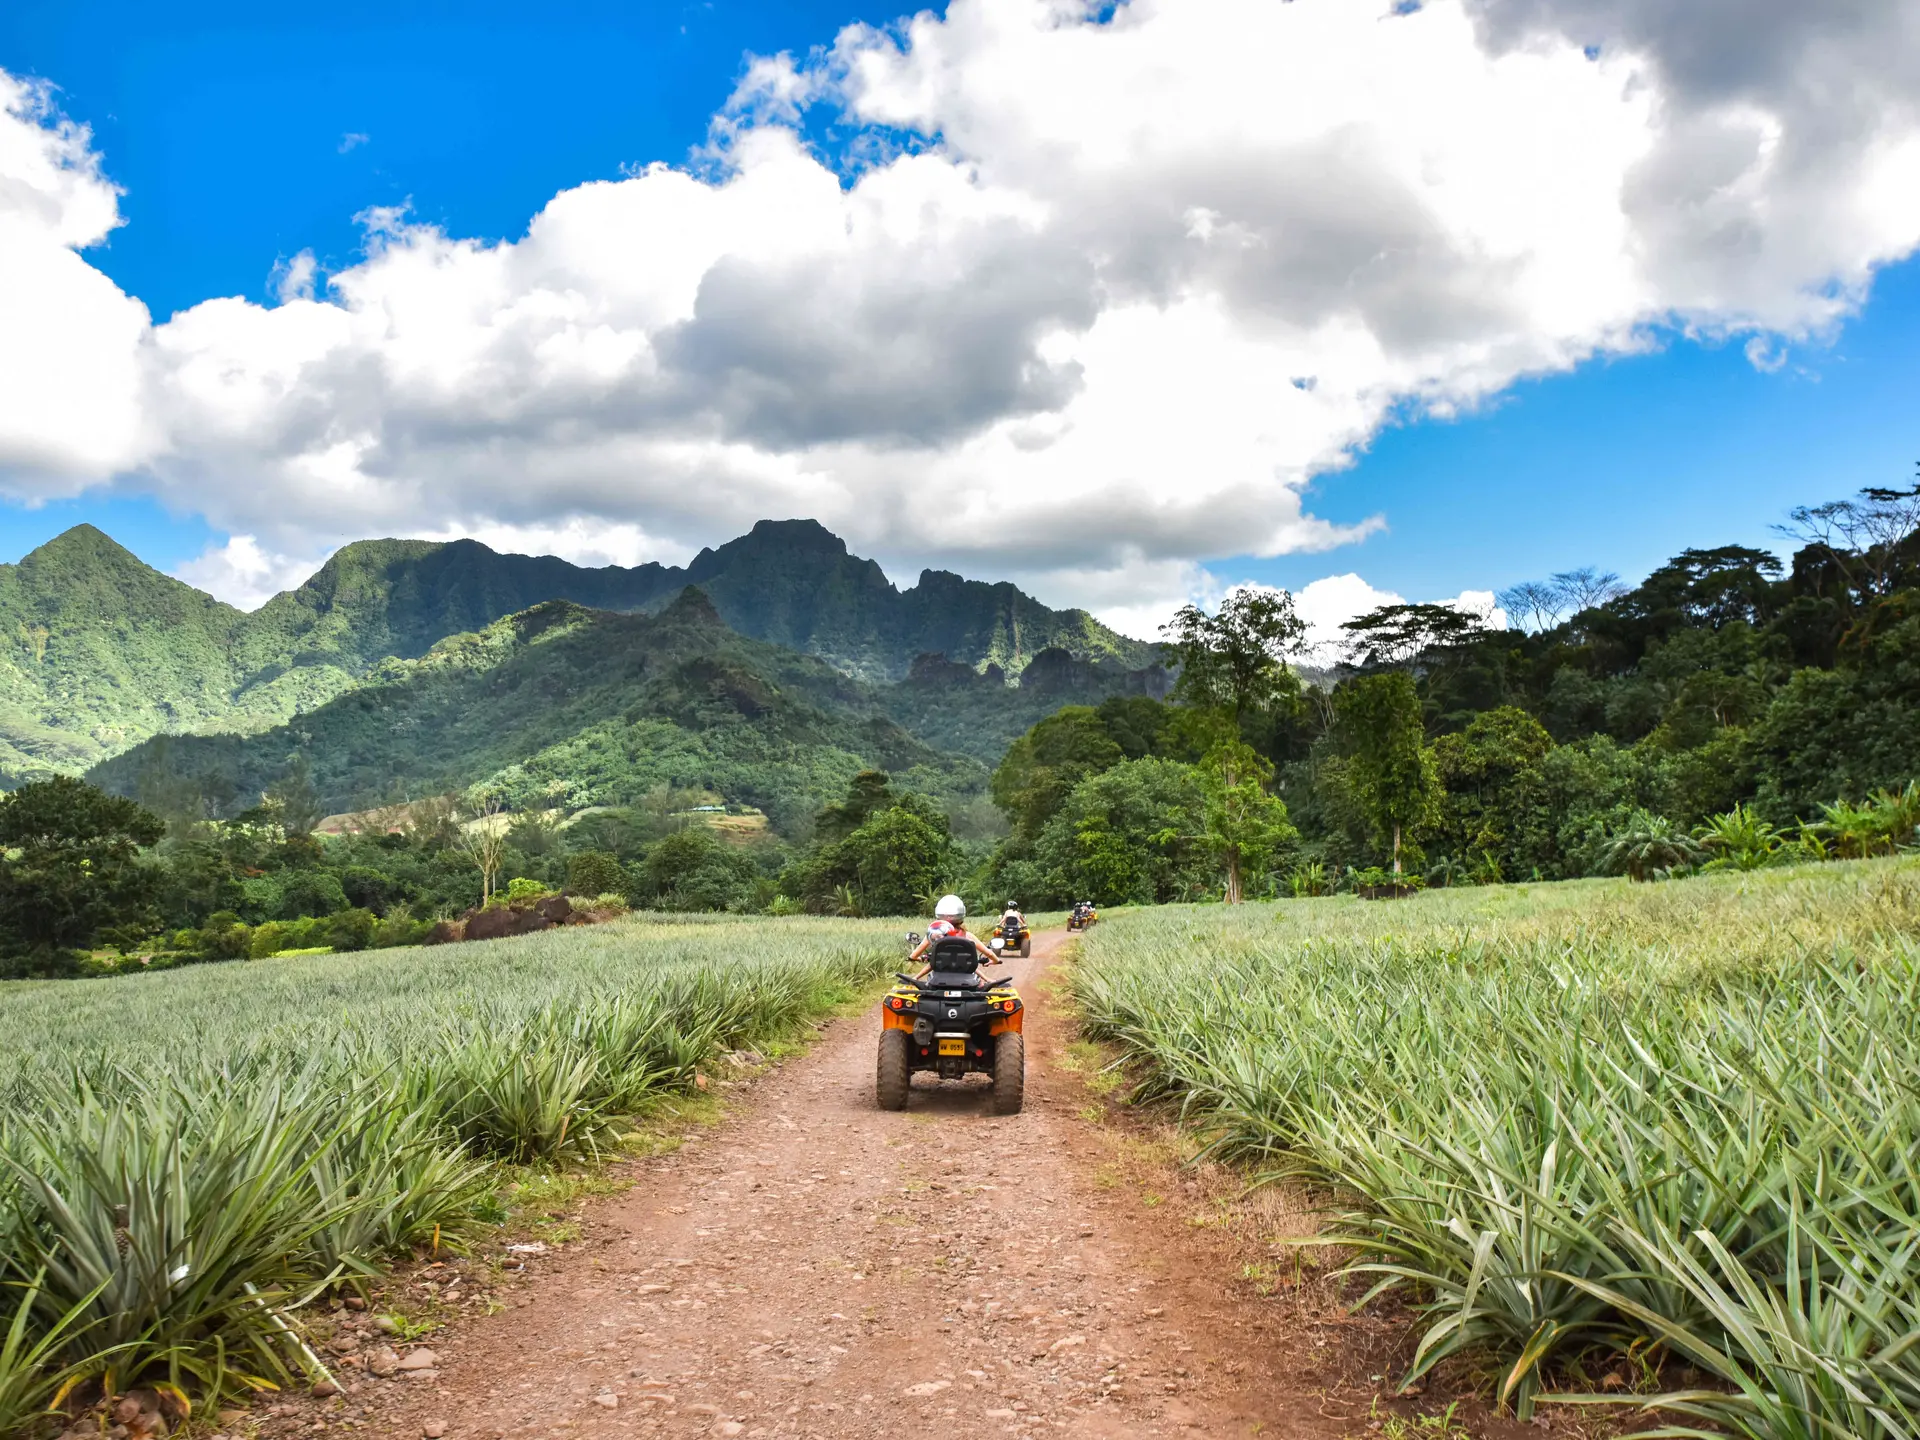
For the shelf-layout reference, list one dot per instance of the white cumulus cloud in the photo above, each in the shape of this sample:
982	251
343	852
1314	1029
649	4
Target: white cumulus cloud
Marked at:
1116	284
1329	602
71	408
241	572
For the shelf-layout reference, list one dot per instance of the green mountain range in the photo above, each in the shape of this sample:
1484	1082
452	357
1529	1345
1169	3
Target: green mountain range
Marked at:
99	651
559	706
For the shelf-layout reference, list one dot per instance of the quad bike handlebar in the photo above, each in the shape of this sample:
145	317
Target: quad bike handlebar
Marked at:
923	985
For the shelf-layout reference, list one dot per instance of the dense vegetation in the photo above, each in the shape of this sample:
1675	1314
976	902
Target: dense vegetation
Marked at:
95	884
1726	713
561	707
98	651
1593	1128
1727	710
183	1154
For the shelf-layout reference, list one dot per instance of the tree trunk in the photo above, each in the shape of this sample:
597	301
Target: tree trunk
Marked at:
1233	878
1396	850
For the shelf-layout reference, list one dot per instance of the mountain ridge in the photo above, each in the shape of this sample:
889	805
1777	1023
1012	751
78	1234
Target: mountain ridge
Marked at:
98	650
564	705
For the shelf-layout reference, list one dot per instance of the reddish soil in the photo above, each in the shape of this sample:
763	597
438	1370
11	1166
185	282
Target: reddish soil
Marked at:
815	1266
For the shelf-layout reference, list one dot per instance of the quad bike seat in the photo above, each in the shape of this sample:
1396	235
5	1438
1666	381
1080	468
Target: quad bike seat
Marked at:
953	962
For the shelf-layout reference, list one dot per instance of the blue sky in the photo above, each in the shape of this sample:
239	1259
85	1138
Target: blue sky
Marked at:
1624	462
228	126
242	135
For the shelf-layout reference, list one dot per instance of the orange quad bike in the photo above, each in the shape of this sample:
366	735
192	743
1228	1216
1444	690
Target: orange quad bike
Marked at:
1019	942
955	1023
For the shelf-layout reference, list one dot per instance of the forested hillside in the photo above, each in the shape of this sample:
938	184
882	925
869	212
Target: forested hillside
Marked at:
1728	710
563	707
559	707
99	651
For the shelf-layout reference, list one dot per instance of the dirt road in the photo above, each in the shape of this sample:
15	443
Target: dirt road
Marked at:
818	1267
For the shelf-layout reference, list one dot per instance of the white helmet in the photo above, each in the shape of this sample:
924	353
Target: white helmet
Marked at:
951	907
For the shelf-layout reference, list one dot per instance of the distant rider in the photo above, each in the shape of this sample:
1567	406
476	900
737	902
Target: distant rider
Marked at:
951	913
1012	923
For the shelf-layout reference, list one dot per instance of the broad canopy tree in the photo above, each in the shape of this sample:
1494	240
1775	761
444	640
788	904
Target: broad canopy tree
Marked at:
1133	834
1235	660
1400	634
70	866
884	848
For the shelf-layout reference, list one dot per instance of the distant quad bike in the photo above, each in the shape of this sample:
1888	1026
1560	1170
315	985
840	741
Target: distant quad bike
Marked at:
954	1023
1082	916
1020	942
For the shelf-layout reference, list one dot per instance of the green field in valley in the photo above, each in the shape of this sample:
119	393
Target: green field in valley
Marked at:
1575	1122
172	1144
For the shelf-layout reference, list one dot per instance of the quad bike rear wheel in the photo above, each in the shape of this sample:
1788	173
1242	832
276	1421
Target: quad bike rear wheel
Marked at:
1026	947
892	1078
1009	1074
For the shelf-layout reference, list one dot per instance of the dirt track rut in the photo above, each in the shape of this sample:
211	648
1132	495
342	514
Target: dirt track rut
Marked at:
818	1267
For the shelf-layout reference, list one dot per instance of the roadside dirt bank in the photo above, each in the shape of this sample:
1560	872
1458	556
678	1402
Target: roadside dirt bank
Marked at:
815	1266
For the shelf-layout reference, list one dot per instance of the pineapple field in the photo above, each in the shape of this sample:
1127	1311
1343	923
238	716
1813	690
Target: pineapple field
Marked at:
188	1158
1668	1131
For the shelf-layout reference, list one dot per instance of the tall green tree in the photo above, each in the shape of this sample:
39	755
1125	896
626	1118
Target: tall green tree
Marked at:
897	856
868	793
1389	767
1042	767
70	866
294	800
694	869
1134	834
1490	772
1246	826
1236	658
1399	634
901	849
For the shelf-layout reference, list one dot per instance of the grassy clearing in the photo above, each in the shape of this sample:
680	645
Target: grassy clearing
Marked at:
185	1155
1579	1123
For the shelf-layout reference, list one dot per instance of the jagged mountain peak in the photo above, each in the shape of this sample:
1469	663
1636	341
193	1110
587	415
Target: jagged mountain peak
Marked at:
108	650
781	542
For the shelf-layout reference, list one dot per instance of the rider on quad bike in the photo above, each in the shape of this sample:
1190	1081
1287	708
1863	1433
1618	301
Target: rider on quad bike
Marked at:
951	1020
1012	932
950	922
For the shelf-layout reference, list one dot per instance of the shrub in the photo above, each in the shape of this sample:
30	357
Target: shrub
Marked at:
223	937
595	872
1739	840
1309	879
1648	847
351	929
368	889
311	892
399	928
268	939
521	890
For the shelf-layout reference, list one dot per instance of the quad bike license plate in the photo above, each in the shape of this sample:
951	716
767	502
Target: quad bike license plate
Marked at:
955	1046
